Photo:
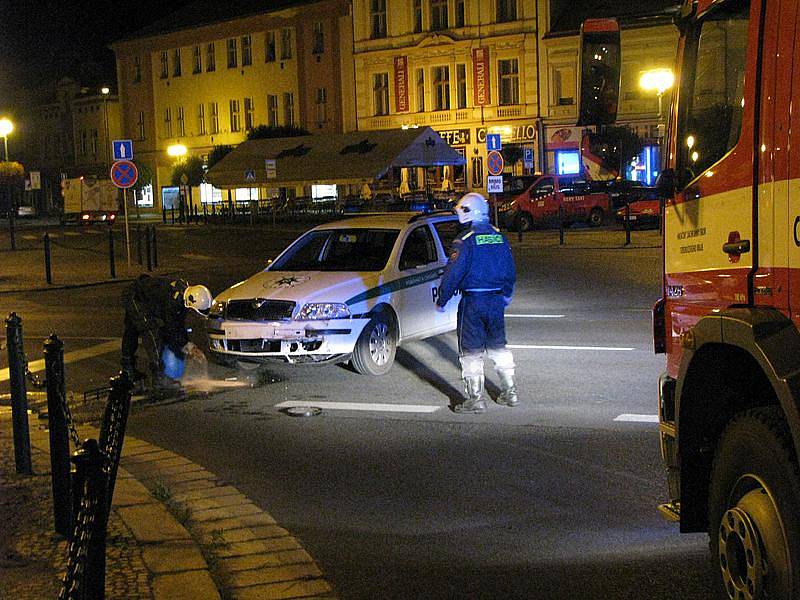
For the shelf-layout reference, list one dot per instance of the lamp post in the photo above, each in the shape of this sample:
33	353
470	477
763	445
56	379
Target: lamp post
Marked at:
106	91
6	127
658	81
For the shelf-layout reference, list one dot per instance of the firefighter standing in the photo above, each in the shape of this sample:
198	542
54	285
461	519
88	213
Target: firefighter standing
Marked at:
155	310
482	268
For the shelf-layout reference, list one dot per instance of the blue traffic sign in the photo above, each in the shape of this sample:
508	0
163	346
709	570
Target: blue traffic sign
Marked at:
123	149
493	141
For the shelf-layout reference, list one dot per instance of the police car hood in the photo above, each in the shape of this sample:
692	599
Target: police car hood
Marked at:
302	286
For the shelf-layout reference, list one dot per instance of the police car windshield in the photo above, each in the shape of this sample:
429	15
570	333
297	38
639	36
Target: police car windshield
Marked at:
339	250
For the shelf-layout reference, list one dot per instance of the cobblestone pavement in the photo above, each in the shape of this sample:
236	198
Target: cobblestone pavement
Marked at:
32	555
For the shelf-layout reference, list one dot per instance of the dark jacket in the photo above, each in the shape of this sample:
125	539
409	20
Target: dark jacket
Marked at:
481	261
156	303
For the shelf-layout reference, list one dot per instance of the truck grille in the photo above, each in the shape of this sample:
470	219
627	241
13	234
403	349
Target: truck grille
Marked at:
260	309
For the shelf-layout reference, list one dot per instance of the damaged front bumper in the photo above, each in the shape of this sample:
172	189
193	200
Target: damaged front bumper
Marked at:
289	341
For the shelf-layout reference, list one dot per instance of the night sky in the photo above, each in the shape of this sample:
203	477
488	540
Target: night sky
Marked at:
43	40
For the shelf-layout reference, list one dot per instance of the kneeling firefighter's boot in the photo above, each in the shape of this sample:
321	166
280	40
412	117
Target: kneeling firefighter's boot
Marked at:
474	404
508	389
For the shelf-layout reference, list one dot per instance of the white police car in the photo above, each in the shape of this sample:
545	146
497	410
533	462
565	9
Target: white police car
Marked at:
349	290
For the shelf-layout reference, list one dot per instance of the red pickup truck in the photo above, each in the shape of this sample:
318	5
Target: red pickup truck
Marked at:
539	204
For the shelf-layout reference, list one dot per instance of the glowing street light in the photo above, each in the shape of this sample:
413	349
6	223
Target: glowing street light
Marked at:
6	127
658	81
176	150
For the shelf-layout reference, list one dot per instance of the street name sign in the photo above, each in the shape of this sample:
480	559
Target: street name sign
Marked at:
494	184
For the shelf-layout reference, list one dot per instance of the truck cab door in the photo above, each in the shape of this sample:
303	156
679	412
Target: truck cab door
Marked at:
708	226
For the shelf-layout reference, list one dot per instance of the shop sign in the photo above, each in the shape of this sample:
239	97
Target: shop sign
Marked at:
401	83
455	137
509	133
480	75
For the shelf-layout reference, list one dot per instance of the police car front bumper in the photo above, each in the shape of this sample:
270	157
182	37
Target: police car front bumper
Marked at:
289	341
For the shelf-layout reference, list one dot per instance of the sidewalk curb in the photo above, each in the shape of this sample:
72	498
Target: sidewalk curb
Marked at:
198	536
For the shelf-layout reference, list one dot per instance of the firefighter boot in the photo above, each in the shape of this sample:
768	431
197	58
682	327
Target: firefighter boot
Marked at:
474	404
508	388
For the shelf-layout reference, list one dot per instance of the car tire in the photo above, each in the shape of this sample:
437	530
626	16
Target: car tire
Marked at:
523	222
596	217
754	508
376	347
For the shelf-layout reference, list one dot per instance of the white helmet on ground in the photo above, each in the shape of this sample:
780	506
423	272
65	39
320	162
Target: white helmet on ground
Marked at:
472	208
197	297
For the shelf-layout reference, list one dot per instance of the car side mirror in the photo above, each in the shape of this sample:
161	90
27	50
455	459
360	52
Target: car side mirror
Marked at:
665	183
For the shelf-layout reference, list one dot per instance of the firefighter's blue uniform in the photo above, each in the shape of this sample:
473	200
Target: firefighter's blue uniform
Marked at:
482	268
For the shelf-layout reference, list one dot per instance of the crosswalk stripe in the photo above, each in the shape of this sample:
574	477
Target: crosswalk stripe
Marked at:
633	418
363	406
70	357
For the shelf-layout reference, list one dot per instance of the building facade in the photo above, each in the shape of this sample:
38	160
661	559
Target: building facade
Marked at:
205	84
463	67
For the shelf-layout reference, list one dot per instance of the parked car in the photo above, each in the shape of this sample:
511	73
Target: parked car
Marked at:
643	213
513	186
350	290
622	191
551	197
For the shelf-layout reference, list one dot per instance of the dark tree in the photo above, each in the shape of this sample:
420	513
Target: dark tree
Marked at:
217	154
261	132
193	170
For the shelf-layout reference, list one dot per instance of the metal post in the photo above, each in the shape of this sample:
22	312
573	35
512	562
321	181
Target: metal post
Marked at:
155	248
139	244
172	213
48	271
89	468
205	213
127	228
149	249
164	214
59	435
111	264
560	225
627	224
19	395
12	216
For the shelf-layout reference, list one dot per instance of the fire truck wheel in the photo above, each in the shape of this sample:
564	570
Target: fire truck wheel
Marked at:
376	347
523	222
754	508
596	217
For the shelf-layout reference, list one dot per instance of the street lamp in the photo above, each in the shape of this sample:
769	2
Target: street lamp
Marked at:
106	91
658	81
6	127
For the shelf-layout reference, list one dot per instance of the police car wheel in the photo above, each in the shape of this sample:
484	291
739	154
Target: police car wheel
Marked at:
376	347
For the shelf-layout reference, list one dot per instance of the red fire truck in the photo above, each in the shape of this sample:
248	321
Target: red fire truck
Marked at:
729	402
551	197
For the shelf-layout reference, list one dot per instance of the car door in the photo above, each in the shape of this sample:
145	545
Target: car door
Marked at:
544	206
446	232
418	276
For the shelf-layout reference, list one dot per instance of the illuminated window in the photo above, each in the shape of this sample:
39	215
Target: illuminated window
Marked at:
201	119
508	81
441	88
438	15
420	90
461	86
380	94
272	110
181	123
248	113
288	108
377	18
235	118
167	122
213	111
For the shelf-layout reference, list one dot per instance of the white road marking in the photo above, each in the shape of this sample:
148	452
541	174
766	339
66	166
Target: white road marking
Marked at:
534	316
70	357
402	408
630	418
538	347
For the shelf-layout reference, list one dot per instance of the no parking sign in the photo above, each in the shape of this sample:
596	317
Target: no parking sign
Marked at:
124	174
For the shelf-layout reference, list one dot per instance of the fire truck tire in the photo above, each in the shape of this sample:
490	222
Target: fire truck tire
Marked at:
596	217
754	508
376	347
523	222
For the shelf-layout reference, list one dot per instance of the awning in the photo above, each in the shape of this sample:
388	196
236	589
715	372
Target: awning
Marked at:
356	157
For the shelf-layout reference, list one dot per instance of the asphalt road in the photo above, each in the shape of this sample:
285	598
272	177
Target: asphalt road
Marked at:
554	499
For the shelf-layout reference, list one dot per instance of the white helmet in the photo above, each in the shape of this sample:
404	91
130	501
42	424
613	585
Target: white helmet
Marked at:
197	297
472	207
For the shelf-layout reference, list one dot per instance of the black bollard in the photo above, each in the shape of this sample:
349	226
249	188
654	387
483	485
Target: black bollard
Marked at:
164	214
111	263
560	225
205	214
48	271
139	244
155	248
59	435
19	395
172	213
627	224
148	248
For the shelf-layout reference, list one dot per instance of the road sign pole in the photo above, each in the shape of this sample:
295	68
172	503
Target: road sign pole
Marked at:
127	230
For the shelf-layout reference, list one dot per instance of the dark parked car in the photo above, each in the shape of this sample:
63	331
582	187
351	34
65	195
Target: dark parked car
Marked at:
622	191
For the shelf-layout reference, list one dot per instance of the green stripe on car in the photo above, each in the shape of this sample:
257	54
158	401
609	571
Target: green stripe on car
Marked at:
396	285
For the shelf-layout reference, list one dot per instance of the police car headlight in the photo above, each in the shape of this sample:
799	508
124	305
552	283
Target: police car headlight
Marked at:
217	309
323	310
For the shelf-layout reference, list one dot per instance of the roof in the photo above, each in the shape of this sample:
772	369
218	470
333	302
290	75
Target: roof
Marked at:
569	14
356	157
395	220
209	12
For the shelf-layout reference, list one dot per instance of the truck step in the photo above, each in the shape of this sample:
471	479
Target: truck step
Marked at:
671	511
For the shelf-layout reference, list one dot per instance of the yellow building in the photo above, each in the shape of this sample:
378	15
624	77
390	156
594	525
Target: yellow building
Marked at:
463	67
648	41
203	81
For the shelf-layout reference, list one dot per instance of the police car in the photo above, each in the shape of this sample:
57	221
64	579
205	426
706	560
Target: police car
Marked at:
349	290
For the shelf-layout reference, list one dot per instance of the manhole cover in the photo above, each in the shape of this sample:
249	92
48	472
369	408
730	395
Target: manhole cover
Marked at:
303	411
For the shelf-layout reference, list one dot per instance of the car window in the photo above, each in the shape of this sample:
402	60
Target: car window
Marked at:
339	250
418	250
447	232
545	186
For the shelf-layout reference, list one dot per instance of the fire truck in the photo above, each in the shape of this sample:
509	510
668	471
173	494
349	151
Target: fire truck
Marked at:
727	321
